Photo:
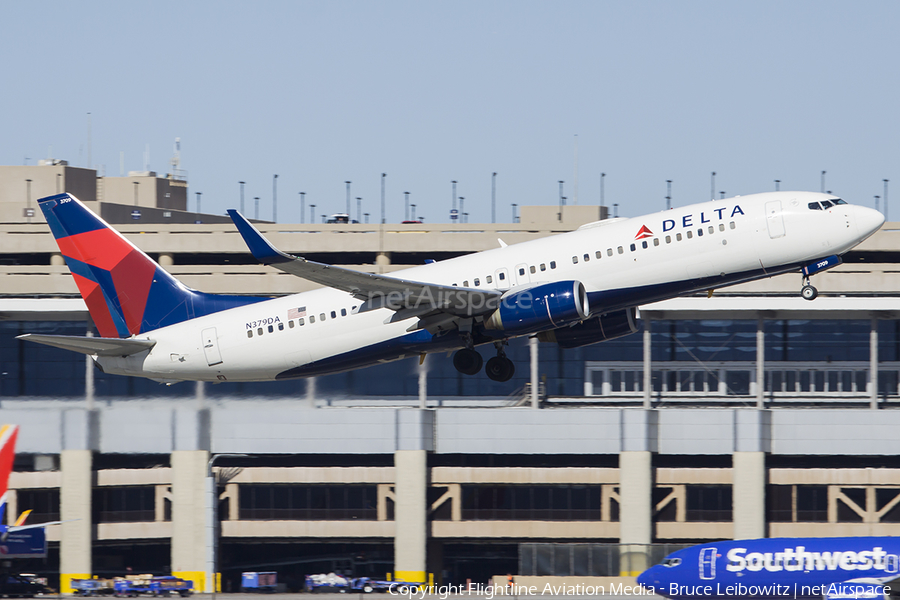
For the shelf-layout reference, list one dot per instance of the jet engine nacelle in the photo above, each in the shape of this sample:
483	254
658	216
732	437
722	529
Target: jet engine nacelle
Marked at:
605	327
541	307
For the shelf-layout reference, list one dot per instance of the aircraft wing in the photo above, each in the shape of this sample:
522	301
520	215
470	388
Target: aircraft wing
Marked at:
376	291
91	345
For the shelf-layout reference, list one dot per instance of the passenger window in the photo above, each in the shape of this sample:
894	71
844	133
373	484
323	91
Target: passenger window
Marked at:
814	206
488	279
598	254
477	282
609	251
521	271
633	247
259	331
656	241
731	225
574	260
312	319
271	329
721	226
533	270
249	333
552	264
280	326
465	284
668	239
321	316
543	267
712	229
587	257
503	276
303	321
644	244
343	312
677	237
700	233
621	250
291	324
689	234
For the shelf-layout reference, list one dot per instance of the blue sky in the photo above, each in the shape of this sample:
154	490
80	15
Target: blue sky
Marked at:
428	92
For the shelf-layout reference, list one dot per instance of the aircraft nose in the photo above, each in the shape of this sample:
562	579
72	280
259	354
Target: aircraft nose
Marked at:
868	220
645	578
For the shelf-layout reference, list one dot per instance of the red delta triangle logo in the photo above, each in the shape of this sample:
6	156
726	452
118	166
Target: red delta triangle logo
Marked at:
643	233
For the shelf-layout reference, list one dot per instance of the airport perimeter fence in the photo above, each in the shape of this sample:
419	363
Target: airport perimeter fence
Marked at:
591	560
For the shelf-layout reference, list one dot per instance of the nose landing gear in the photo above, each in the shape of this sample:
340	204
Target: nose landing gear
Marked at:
808	292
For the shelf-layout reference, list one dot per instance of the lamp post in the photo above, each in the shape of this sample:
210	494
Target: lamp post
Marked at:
877	198
358	209
302	207
669	194
212	521
823	182
514	212
885	199
462	205
256	207
723	195
275	199
366	215
602	199
777	185
453	206
242	196
28	199
413	207
348	199
59	177
136	184
615	210
199	194
383	214
493	198
712	186
312	214
406	209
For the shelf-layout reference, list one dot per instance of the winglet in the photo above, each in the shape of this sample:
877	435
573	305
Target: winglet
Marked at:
21	520
259	246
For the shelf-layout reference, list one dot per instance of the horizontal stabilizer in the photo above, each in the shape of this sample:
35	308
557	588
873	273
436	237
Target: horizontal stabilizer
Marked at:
91	345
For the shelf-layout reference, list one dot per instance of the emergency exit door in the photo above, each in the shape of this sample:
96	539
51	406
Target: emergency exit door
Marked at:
211	346
774	219
708	563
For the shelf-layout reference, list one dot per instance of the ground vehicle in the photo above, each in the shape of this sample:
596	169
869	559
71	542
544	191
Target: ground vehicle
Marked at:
254	581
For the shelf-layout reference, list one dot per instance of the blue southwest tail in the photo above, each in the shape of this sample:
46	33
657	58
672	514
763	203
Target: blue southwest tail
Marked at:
126	291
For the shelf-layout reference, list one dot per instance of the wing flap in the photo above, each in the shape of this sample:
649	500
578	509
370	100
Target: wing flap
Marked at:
91	345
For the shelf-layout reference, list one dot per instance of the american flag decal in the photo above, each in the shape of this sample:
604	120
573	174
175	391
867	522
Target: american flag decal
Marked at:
296	313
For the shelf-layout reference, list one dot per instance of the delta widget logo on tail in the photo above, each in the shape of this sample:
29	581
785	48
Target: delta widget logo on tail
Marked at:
643	233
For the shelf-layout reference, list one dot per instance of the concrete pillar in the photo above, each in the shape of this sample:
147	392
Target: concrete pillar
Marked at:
89	376
57	260
648	365
383	259
760	363
748	494
189	517
873	364
311	392
75	512
165	259
423	381
639	435
410	514
752	439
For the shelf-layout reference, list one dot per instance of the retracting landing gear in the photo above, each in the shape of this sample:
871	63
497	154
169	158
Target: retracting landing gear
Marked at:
500	368
808	292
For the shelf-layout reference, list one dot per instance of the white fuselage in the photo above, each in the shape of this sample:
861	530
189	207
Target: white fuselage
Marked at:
702	246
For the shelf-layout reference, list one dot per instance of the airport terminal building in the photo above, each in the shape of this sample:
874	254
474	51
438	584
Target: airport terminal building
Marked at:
750	413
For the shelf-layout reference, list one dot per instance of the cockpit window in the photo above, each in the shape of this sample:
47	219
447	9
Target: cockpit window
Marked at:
827	204
671	562
814	206
839	201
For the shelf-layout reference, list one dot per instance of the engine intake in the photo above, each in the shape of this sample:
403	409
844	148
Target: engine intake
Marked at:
605	327
541	307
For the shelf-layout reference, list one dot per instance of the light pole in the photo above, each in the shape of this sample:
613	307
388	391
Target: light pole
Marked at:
413	207
723	195
615	210
877	198
28	199
199	194
137	183
462	208
669	194
777	185
712	185
366	215
312	214
212	524
514	206
602	198
453	206
358	209
383	215
348	199
302	207
58	178
493	198
823	182
885	199
242	196
256	207
275	199
406	211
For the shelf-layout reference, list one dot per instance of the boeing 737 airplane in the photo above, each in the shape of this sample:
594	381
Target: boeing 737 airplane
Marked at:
573	289
827	568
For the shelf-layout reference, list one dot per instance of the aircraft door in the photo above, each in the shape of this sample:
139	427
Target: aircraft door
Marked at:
522	277
891	563
211	346
774	219
501	279
708	563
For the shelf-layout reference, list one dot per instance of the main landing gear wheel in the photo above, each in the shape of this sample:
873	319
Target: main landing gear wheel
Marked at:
500	368
467	361
808	292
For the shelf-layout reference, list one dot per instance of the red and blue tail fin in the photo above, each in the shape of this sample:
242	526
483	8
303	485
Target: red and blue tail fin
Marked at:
126	291
8	434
